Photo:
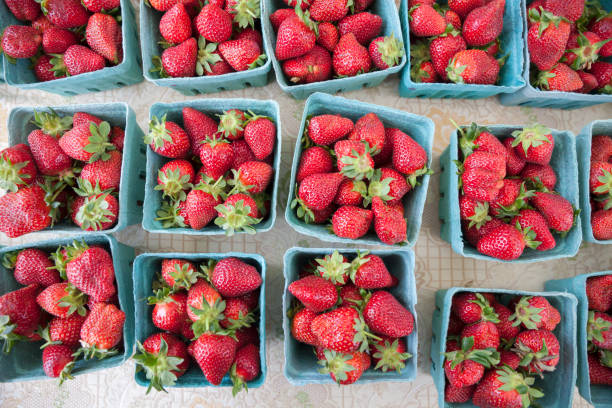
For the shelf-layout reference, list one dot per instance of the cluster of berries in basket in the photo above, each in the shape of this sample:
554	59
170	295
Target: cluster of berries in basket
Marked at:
600	186
599	329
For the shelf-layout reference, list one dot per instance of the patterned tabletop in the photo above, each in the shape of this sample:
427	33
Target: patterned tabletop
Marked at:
437	266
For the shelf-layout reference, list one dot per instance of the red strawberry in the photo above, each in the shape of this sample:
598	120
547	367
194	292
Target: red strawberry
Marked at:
558	212
26	10
350	193
350	58
57	361
320	216
105	172
103	35
335	268
409	157
425	21
599	330
484	334
505	327
314	66
315	293
201	202
42	23
296	36
509	358
167	139
599	374
250	34
326	129
386	52
589	82
328	35
242	54
385	315
57	40
601	148
96	6
317	191
87	142
540	174
341	330
515	163
33	267
300	326
534	144
103	329
472	307
164	358
505	387
473	67
477	138
17	167
599	292
361	5
66	331
538	349
544	240
483	175
78	60
369	129
179	273
231	124
245	367
204	304
281	15
314	160
464	366
260	135
366	26
546	38
61	300
389	224
603	72
353	159
239	212
214	23
233	277
451	17
443	48
458	395
247	335
559	78
175	177
601	222
484	24
43	69
162	5
535	312
351	222
425	72
215	354
464	7
253	177
20	41
582	50
24	211
93	273
175	24
179	61
65	13
324	10
570	10
345	368
473	234
95	212
199	127
169	310
603	28
84	118
217	157
20	314
242	153
504	242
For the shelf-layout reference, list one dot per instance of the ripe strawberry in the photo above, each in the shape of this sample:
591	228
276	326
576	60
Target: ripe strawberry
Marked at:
351	222
253	177
215	354
41	23
66	331
504	242
465	366
233	277
175	177
167	139
478	138
335	268
78	60
326	129
48	155
369	129
599	330
600	178
505	327
546	38
316	294
296	36
322	10
214	24
535	312
164	358
558	212
242	153
65	13
425	73
20	41
17	167
217	156
84	118
484	24
603	28
570	10
601	148
242	54
107	173
484	334
204	304
317	191
341	330
350	58
603	72
232	123
24	10
57	361
345	368
43	69
452	18
559	78
96	6
473	67
472	307
350	193
198	127
245	367
162	5
314	160
599	292
458	395
409	157
389	185
534	144
103	35
464	7
482	176
93	273
178	61
328	35
179	273
250	34
505	387
527	218
19	313
201	202
33	267
366	26
61	300
301	326
473	234
169	310
601	222
385	315
95	212
282	14
582	50
175	24
515	163
539	174
353	159
87	142
361	5
443	48
386	52
425	21
260	135
314	66
389	224
57	40
247	335
538	349
24	211
102	330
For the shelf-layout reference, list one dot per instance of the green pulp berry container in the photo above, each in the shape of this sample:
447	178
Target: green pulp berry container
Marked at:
24	362
6	18
563	161
301	367
212	107
131	188
420	128
146	266
558	386
128	72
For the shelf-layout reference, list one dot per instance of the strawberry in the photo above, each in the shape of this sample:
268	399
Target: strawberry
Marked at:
505	387
214	24
296	36
473	67
478	138
558	212
175	177
535	312
603	73
475	212
41	23
198	127
484	24
233	277
61	300
245	367
24	10
465	366
232	123
389	354
314	160
451	17
539	174
473	234
385	315
215	354
546	38
217	156
335	268
253	177
202	200
425	21
66	331
167	139
601	148
458	395
483	333
570	10
314	66
334	10
24	211
559	78
601	222
515	163
350	58
425	73
509	358
179	273
582	50
369	129
527	218
370	272
351	222
102	330
389	185
350	193
386	52
17	167
204	306
178	61
504	242
282	14
169	310
328	35
84	118
538	349
57	40
96	6
319	216
361	5
242	54
20	41
94	212
33	267
103	35
317	191
107	173
19	315
43	69
600	178
77	60
505	327
534	144
464	7
164	358
93	273
409	157
57	361
482	176
65	13
162	5
472	307
301	326
599	330
326	129
602	27
316	294
251	34
443	48
345	368
389	224
353	159
239	212
260	135
599	374
175	24
341	330
87	142
366	26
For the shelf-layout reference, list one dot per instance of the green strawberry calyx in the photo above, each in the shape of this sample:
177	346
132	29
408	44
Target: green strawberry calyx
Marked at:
235	218
488	357
208	317
481	215
388	356
158	367
337	364
535	359
173	184
488	312
515	381
526	314
391	50
74	300
51	123
98	142
7	334
531	137
334	268
245	12
231	122
207	56
169	214
376	188
596	327
358	166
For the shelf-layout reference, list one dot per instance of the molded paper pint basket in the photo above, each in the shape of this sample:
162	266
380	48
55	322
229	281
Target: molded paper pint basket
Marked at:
146	266
598	395
511	79
557	385
25	360
530	96
6	18
128	72
301	365
212	107
391	25
420	128
563	162
583	150
131	188
149	38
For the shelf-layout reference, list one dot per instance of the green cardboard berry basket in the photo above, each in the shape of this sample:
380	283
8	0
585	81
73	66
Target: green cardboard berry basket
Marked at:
153	198
420	128
557	385
131	188
146	266
301	367
563	162
24	362
6	18
128	72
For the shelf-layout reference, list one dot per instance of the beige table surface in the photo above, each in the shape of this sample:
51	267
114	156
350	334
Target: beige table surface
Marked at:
437	266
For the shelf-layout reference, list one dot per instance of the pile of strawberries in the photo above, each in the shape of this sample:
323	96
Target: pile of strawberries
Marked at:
215	39
214	308
494	351
343	310
70	168
599	329
318	39
507	198
69	300
565	40
357	174
64	37
458	42
232	184
600	186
